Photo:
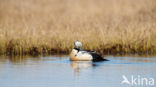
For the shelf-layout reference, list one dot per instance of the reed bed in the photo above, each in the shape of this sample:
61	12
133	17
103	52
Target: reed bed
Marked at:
51	26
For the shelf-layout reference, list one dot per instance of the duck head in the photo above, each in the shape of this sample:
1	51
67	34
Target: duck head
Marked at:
77	45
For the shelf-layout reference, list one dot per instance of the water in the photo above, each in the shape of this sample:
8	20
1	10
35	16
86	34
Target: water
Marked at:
57	71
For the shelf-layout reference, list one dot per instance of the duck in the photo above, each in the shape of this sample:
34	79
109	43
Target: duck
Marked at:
78	54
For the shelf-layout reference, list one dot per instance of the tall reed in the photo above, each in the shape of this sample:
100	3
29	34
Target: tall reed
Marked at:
51	26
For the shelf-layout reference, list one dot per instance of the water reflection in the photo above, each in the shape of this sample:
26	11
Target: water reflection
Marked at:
39	71
18	59
78	66
24	60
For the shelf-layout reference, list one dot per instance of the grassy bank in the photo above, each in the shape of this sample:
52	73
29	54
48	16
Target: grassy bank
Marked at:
51	26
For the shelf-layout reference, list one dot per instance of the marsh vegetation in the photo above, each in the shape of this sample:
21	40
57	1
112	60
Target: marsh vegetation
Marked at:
51	26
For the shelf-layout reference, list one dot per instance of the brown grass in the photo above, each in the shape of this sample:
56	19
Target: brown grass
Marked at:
51	26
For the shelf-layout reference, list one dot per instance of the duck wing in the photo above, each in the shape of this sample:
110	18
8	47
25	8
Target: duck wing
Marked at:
87	50
97	57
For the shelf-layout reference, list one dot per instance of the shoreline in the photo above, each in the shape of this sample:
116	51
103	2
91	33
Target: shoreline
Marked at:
59	52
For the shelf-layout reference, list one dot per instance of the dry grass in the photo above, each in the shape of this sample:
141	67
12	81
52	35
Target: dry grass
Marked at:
51	26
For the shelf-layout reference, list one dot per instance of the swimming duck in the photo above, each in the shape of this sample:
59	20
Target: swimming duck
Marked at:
78	54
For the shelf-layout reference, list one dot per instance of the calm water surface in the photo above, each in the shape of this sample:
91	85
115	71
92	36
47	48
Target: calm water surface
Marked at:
57	71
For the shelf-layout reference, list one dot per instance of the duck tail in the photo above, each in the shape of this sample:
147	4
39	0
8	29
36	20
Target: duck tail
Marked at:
97	57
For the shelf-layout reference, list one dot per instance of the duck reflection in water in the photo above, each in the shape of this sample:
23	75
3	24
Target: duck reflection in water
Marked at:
78	66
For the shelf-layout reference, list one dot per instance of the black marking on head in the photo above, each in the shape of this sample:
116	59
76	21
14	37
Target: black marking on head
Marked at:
77	49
